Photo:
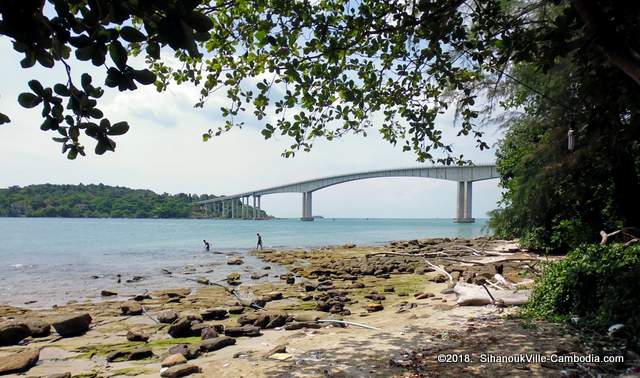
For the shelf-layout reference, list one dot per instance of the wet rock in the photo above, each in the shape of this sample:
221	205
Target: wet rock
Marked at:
72	325
167	316
217	313
249	318
208	333
180	371
374	307
299	325
236	310
245	330
257	276
277	320
389	289
137	336
131	308
375	297
211	345
180	328
290	280
424	295
357	285
11	333
141	297
38	328
440	278
107	293
306	298
233	278
173	360
235	261
202	281
59	375
309	287
19	362
188	351
118	355
282	348
323	306
140	354
274	296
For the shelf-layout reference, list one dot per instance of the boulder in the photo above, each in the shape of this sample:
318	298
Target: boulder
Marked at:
72	325
180	328
167	316
208	333
374	307
235	261
38	328
245	330
277	320
140	353
107	293
131	308
59	375
236	310
211	345
19	362
118	355
137	336
173	360
214	314
299	325
188	351
274	295
180	371
11	333
249	318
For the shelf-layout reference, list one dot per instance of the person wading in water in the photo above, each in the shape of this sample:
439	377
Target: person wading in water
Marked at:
259	245
206	245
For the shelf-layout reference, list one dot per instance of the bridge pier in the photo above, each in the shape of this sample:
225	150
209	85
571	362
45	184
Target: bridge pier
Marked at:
464	208
307	208
259	210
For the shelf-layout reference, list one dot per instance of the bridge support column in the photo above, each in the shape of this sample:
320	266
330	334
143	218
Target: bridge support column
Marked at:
253	209
259	211
465	197
307	208
233	208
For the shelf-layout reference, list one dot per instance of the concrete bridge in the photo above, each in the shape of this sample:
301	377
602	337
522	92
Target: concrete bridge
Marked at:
237	205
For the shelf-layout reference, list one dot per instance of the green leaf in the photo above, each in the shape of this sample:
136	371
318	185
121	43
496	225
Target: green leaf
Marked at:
36	87
153	49
131	34
28	100
61	90
261	35
144	77
4	119
206	137
119	128
118	54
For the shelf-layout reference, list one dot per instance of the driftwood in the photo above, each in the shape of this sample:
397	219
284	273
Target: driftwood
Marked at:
348	323
474	295
624	231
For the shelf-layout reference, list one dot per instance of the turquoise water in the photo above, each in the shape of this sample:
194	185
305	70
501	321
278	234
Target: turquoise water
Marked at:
53	260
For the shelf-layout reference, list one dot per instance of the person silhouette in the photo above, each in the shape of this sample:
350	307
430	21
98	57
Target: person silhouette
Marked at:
259	245
206	245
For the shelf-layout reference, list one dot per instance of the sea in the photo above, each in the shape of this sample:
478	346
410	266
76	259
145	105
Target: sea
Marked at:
51	261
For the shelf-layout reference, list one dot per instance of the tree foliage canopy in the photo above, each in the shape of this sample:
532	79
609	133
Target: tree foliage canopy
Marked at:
327	66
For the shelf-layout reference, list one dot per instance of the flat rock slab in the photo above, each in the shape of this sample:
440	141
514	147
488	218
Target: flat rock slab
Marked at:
180	371
211	345
72	325
19	362
11	333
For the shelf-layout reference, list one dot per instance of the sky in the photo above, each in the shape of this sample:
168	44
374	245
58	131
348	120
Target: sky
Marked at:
164	152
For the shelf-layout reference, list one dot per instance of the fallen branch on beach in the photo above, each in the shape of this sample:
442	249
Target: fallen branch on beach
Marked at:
243	301
348	323
474	295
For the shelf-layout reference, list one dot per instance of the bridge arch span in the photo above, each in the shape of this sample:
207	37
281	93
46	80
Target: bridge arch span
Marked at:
464	175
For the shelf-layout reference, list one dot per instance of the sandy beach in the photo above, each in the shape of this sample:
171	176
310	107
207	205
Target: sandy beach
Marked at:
407	310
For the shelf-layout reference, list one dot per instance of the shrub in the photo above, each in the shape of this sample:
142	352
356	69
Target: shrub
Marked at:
599	284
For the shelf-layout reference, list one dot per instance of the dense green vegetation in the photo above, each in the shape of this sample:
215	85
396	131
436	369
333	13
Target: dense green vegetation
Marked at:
97	201
597	284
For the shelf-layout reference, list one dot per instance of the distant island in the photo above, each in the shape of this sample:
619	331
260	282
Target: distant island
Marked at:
98	201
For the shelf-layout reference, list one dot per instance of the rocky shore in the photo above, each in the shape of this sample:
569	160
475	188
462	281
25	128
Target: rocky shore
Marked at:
344	311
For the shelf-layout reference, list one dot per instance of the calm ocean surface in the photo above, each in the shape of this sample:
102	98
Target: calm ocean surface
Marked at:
54	260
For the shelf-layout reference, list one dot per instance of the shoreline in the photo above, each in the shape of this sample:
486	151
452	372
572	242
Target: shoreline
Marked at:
411	306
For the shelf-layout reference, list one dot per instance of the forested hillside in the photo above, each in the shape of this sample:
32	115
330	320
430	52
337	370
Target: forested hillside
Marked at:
96	201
